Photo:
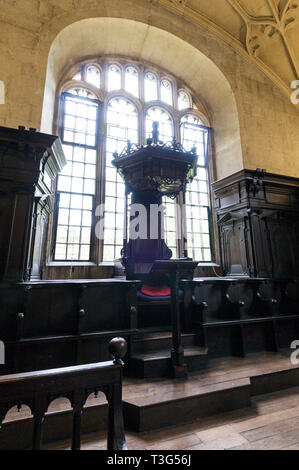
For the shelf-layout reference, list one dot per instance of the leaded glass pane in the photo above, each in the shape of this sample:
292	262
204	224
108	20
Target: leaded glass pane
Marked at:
114	78
122	125
76	183
197	194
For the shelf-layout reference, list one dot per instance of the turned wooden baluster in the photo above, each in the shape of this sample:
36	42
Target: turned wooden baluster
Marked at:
39	410
116	436
177	350
131	301
38	431
3	410
78	401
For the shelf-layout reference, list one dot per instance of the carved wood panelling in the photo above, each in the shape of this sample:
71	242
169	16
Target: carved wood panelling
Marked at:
258	234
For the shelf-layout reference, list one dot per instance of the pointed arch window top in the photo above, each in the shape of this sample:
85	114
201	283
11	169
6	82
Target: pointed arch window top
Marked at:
192	119
150	87
131	81
93	76
184	101
166	91
114	77
82	92
158	114
122	121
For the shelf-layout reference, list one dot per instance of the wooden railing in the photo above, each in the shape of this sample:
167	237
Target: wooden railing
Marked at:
38	389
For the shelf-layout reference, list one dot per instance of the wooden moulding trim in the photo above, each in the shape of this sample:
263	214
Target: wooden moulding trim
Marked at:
83	336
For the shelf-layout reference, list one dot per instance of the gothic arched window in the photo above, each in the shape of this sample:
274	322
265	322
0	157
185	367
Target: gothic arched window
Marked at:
105	103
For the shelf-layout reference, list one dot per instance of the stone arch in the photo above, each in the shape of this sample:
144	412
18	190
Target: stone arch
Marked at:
107	36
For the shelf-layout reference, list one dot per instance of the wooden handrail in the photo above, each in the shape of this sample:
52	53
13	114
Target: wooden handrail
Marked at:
38	389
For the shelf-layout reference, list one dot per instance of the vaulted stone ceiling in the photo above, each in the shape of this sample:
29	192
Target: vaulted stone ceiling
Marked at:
266	31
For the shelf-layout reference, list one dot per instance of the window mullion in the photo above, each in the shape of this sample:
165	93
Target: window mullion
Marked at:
100	176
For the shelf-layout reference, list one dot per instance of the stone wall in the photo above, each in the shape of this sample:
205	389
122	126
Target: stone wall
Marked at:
268	122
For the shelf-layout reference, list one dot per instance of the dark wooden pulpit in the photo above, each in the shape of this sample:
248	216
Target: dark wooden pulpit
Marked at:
150	172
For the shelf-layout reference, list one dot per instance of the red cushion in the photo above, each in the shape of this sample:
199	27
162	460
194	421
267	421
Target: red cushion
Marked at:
156	291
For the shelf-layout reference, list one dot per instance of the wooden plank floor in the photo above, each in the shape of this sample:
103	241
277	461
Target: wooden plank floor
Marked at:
271	423
219	371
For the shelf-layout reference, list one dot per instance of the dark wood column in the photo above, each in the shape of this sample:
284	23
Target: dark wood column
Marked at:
29	161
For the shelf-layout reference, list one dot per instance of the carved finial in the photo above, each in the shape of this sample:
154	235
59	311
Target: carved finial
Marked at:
118	349
260	173
81	312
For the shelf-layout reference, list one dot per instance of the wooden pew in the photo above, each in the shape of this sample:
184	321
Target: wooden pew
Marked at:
38	389
238	316
50	324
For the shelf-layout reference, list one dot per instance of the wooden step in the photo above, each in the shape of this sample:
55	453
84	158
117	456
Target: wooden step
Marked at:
161	340
147	413
154	329
158	363
274	381
225	385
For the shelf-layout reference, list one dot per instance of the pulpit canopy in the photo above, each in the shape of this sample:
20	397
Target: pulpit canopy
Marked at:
164	168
